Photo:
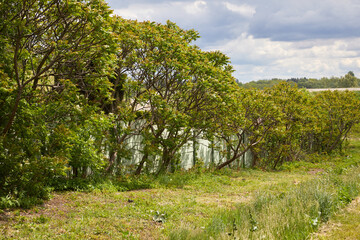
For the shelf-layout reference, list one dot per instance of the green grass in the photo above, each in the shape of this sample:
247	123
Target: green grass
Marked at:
107	214
252	204
293	213
344	225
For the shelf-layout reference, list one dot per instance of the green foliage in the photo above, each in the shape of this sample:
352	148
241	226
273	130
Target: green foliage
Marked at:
283	141
171	86
262	84
54	60
25	170
347	192
177	179
336	113
8	202
245	122
284	124
135	183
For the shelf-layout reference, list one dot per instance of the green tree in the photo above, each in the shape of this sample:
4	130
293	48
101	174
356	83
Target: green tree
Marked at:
180	83
245	122
336	113
348	81
47	40
169	87
55	57
283	143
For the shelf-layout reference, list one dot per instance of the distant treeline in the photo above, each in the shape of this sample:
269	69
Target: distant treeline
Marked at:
347	81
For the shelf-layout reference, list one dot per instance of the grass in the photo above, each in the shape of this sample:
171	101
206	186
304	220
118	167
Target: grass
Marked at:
291	214
247	204
344	225
108	214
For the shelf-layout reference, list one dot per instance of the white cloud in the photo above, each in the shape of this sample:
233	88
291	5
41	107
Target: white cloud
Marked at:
262	58
181	11
194	7
143	12
135	12
266	39
244	9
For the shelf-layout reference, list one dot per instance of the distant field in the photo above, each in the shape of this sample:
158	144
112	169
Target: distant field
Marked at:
332	89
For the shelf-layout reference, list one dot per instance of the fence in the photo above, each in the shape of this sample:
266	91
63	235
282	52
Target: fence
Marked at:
198	151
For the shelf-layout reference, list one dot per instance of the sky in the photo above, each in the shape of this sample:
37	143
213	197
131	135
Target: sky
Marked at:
265	39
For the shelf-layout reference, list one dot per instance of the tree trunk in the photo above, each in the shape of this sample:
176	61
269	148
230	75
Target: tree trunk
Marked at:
13	113
230	160
166	159
75	172
113	151
277	160
112	157
339	140
141	164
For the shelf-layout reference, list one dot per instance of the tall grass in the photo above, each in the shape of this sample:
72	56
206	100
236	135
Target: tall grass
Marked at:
293	214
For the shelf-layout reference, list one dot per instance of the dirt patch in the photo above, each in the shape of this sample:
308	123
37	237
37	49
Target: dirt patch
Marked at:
354	205
57	207
316	171
222	200
5	216
57	203
325	230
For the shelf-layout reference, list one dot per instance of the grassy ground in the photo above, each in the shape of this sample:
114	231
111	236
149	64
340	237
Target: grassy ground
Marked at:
344	225
176	208
109	215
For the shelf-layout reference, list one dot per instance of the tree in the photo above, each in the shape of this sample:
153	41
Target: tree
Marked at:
55	57
348	81
283	143
336	113
171	85
245	123
45	41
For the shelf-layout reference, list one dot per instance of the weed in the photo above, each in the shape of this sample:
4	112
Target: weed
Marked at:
41	219
326	203
8	202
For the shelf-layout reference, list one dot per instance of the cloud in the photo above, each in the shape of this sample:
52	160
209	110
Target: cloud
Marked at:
243	9
183	11
214	20
266	39
307	19
280	20
141	14
263	58
194	7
